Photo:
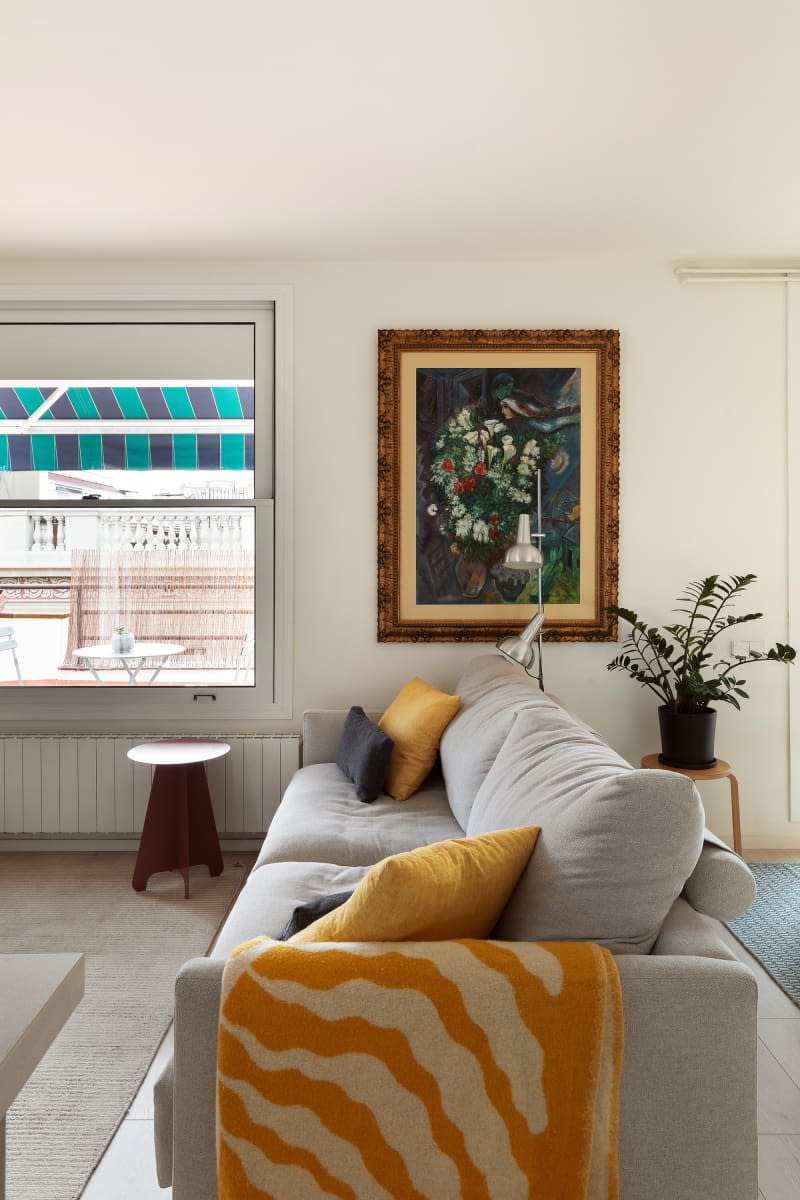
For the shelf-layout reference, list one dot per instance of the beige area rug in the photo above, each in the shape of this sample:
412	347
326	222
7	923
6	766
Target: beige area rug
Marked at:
134	944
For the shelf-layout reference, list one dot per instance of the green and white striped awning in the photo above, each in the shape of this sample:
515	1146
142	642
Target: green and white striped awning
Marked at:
131	427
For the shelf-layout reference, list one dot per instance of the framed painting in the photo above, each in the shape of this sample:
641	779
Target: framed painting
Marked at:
465	419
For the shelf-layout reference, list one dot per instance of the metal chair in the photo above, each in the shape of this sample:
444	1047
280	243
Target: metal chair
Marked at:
9	642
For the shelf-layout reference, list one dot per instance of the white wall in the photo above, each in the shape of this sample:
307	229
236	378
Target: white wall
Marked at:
703	473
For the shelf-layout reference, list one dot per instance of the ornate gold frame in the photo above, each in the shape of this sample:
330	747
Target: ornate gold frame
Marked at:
603	347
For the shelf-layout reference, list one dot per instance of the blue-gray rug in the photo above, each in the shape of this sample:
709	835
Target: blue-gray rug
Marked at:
770	929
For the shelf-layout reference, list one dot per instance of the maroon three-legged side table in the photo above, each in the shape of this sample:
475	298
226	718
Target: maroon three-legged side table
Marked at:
179	828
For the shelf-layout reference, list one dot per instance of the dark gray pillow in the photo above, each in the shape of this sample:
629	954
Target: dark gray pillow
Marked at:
306	914
363	754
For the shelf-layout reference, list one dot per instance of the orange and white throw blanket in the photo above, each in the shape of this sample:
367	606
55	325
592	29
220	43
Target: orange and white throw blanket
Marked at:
462	1070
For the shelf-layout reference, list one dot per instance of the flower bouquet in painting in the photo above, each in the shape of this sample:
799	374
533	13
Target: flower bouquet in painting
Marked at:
478	475
485	477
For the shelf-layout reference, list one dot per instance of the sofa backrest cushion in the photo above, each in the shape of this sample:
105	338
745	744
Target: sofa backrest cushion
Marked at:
493	691
617	844
322	732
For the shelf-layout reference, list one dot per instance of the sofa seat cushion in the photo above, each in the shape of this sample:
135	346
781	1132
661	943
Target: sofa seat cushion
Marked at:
320	819
617	844
493	691
273	892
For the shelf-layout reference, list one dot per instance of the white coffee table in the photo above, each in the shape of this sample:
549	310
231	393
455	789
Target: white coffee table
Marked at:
132	660
38	993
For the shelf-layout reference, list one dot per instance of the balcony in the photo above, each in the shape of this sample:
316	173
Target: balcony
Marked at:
44	537
69	577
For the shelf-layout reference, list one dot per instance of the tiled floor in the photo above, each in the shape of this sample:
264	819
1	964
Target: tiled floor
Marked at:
778	1085
778	1071
127	1170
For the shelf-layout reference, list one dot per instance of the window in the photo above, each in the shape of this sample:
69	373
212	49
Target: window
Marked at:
140	503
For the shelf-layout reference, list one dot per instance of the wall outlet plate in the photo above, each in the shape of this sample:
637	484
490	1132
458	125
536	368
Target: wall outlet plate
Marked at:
741	649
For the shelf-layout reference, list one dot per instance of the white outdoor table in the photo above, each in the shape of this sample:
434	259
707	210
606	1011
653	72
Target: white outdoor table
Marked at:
132	660
38	993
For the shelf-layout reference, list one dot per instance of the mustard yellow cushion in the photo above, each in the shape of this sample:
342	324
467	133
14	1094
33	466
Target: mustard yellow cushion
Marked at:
453	889
415	721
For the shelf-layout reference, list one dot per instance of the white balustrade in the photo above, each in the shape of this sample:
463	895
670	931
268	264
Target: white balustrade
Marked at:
46	537
151	532
47	533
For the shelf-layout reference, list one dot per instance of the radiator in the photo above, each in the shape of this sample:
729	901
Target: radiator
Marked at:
71	786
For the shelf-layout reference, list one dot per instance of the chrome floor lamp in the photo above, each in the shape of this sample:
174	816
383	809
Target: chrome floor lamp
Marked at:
526	555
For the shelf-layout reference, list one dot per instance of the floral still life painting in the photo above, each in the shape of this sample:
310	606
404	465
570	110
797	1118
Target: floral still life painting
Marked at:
466	420
478	475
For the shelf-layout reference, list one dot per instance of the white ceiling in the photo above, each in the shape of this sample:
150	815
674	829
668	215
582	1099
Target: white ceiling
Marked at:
363	129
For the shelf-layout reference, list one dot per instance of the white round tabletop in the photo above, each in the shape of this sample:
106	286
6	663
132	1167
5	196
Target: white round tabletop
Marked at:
177	753
140	650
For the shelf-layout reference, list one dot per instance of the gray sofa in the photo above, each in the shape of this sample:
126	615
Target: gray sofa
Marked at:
622	859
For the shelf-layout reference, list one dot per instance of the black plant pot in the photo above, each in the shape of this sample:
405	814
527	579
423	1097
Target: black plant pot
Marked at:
687	739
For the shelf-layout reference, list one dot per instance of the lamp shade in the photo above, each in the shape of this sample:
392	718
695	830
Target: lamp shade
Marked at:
519	647
517	650
523	555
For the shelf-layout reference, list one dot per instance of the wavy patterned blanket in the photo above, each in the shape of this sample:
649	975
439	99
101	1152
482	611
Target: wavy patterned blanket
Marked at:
419	1071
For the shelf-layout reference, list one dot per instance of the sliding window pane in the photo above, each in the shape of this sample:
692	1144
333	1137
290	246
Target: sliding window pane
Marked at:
178	581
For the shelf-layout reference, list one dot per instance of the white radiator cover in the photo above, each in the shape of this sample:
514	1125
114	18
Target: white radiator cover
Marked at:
80	786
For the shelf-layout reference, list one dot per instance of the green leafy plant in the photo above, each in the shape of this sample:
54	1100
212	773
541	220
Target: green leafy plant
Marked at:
678	662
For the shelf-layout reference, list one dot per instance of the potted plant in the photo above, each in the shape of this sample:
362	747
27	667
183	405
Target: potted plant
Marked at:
679	664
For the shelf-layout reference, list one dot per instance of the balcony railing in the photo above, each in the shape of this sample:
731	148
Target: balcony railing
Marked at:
44	537
152	532
46	533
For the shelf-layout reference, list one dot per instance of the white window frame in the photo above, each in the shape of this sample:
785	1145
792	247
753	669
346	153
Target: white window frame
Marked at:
162	710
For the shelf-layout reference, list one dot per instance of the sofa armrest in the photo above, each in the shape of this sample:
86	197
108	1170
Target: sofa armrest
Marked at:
194	1157
322	728
688	1097
688	932
163	1127
721	884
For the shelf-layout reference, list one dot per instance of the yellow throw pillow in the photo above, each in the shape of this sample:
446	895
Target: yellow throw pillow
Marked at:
415	721
453	889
